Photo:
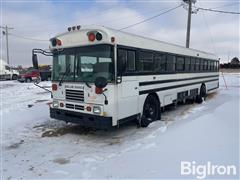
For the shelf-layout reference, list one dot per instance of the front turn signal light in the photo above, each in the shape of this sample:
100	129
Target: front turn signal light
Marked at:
54	87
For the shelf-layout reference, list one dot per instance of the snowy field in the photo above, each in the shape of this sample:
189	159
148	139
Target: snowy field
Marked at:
35	146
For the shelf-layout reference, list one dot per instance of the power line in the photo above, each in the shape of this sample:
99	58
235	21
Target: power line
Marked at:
124	18
148	19
219	11
227	5
28	38
210	33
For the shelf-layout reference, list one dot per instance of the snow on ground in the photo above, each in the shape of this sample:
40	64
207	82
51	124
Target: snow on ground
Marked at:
35	146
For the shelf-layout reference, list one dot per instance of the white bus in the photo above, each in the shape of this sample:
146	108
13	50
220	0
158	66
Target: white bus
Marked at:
103	77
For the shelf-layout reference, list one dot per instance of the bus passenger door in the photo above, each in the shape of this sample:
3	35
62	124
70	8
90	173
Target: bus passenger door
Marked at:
128	88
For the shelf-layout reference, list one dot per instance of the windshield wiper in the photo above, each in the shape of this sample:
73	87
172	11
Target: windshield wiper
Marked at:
65	74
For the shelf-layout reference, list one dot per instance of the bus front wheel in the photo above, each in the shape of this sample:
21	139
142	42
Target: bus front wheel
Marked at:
151	110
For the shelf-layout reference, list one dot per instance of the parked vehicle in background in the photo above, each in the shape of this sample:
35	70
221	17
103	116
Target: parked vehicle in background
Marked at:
6	72
31	74
45	72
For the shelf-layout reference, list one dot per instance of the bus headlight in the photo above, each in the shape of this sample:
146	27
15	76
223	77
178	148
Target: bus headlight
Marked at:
55	104
96	109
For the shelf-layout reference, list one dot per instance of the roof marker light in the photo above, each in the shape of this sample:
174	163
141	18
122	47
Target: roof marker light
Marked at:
91	36
99	36
112	39
69	29
78	27
59	42
54	41
73	28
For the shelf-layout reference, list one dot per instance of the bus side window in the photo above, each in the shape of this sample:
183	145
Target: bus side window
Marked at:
160	62
205	67
201	65
198	65
204	64
180	64
187	64
209	65
121	61
171	63
131	63
215	66
126	61
192	64
146	61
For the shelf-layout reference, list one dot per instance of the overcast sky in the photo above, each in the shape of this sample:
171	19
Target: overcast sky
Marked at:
211	32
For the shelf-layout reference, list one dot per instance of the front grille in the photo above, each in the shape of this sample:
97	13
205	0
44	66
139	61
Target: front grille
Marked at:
77	107
70	106
75	95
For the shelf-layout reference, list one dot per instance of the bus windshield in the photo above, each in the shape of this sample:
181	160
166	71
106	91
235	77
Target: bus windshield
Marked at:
83	64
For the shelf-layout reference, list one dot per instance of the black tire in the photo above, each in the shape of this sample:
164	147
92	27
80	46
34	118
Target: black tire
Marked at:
14	77
151	111
28	80
202	95
37	80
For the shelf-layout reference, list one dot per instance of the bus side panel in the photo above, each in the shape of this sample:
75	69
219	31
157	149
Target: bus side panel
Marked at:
128	95
210	86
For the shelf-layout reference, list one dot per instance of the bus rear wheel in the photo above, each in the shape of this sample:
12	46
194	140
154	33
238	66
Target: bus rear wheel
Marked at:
202	95
151	110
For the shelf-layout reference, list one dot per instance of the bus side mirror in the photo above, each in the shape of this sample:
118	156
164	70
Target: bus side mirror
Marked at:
35	61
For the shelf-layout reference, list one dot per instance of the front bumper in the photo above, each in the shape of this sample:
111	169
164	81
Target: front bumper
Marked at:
86	120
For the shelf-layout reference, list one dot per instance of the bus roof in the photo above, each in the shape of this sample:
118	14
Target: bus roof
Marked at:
80	38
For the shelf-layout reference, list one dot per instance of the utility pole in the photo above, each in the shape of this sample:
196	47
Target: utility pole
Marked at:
189	2
5	32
